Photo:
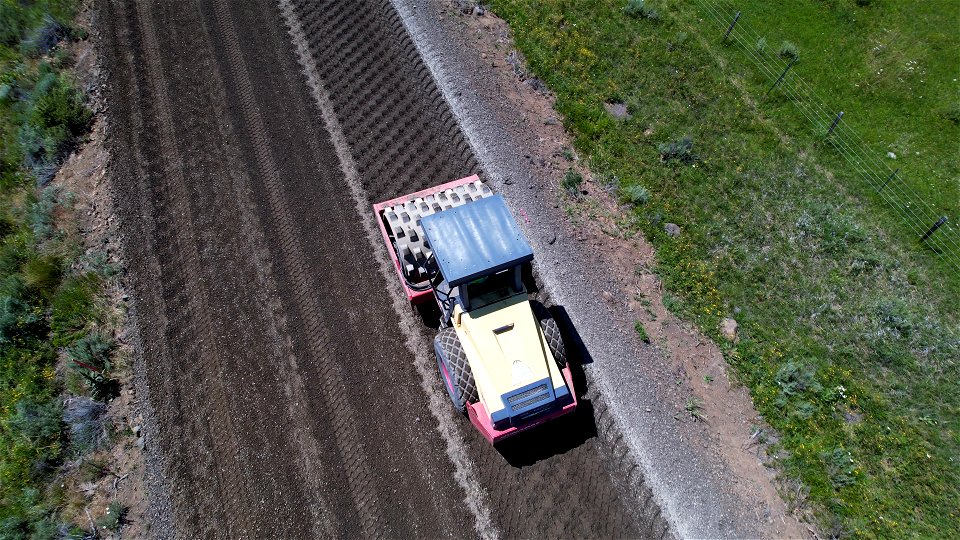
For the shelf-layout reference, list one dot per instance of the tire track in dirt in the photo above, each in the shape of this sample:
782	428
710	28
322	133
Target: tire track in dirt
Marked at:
171	224
380	427
464	470
252	483
379	89
353	452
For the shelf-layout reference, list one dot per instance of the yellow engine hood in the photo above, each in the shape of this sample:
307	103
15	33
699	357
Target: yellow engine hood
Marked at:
506	349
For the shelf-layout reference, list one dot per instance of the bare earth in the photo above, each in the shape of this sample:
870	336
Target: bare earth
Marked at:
282	396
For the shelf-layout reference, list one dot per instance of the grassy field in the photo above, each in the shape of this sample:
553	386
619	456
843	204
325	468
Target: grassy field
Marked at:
849	329
48	288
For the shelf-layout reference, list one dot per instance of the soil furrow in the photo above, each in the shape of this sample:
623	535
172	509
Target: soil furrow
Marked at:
287	403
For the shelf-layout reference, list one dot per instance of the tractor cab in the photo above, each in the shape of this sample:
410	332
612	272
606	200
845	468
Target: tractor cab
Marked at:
478	251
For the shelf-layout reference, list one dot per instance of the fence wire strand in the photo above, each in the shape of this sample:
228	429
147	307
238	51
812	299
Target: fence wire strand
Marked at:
917	214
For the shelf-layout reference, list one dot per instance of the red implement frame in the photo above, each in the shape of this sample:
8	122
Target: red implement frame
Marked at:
481	418
415	297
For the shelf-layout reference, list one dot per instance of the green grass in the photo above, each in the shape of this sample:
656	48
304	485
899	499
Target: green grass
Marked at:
849	329
45	302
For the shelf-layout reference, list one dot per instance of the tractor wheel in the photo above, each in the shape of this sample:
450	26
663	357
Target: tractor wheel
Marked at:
454	369
552	332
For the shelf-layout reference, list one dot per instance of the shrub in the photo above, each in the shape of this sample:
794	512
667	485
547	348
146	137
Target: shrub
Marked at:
56	118
44	38
761	46
19	320
571	182
635	194
795	378
681	151
789	51
85	420
41	213
640	10
951	113
840	467
42	275
12	22
113	518
91	358
38	421
62	105
71	308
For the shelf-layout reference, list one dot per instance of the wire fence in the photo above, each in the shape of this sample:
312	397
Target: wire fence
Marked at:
937	231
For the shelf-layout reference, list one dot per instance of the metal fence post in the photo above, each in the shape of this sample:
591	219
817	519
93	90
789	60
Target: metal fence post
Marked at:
889	178
730	28
834	124
933	229
782	75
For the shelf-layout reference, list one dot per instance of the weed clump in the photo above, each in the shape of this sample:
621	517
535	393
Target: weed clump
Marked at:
571	182
641	331
760	46
635	194
639	9
113	518
789	51
91	356
681	151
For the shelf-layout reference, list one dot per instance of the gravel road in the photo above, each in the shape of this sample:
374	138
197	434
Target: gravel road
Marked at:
287	396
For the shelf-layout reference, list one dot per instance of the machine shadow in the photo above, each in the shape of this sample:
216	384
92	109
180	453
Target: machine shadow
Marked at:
566	433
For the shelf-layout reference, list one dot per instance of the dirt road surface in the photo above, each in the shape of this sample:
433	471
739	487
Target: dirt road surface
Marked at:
284	398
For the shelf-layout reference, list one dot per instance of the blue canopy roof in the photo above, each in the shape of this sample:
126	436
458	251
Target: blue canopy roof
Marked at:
475	239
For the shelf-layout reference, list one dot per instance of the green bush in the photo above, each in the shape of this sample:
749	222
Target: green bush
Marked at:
62	106
789	51
681	151
72	308
635	194
38	421
41	213
42	275
56	118
12	22
113	518
91	356
640	10
19	320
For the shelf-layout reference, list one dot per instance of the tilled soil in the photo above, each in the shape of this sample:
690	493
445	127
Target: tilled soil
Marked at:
284	397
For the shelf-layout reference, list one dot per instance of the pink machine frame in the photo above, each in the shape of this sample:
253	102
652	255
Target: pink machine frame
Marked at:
477	413
480	418
415	297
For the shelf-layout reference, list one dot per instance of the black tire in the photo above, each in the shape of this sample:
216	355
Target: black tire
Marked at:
454	369
552	332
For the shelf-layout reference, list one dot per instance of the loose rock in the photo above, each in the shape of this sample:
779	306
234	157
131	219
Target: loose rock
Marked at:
728	328
672	229
617	110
